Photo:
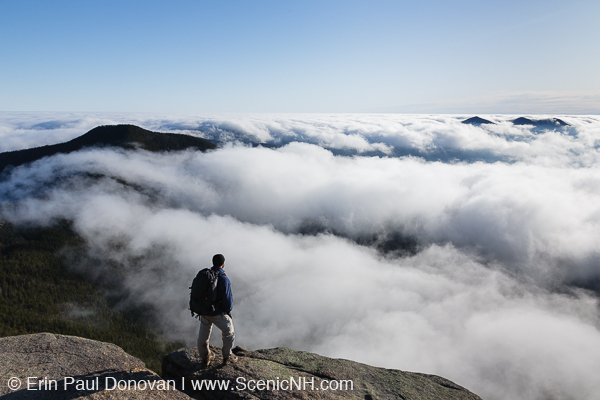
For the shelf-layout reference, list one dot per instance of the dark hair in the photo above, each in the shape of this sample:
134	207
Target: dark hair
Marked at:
218	260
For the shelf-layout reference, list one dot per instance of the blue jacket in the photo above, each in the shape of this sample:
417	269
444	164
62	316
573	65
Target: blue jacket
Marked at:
224	302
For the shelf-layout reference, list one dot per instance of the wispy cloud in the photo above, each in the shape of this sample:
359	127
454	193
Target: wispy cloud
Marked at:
509	102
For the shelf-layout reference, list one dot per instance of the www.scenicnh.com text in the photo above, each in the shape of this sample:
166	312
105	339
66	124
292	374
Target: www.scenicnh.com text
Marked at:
291	383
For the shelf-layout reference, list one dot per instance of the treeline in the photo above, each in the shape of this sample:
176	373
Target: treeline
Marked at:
39	293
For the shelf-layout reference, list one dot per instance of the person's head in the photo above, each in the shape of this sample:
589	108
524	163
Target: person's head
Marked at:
218	260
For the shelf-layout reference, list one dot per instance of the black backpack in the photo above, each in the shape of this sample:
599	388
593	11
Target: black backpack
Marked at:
203	293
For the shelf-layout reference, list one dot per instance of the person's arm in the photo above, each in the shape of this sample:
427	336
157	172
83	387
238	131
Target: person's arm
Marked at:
226	296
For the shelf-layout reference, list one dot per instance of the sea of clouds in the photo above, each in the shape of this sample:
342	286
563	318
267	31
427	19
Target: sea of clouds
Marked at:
497	289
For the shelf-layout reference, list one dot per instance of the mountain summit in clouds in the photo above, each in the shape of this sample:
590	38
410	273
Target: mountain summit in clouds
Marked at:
476	121
124	136
540	123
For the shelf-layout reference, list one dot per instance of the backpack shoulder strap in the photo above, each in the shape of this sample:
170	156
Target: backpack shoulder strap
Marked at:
220	271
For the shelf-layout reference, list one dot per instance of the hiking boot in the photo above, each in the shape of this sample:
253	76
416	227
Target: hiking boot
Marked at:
209	358
230	360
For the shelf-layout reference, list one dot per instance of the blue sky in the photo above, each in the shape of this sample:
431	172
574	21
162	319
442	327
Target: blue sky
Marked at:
300	56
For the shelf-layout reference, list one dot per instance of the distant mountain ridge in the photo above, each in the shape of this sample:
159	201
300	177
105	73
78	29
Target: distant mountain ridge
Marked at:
538	123
124	136
476	121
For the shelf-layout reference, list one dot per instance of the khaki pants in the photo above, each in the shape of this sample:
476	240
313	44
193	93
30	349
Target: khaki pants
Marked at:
225	324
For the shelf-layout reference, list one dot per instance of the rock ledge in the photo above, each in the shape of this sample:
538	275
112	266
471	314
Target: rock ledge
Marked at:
70	367
313	372
79	367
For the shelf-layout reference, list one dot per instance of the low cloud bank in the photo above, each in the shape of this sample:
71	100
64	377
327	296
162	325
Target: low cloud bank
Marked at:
489	297
519	215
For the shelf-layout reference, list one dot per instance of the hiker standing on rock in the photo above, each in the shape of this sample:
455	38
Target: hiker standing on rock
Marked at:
211	298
